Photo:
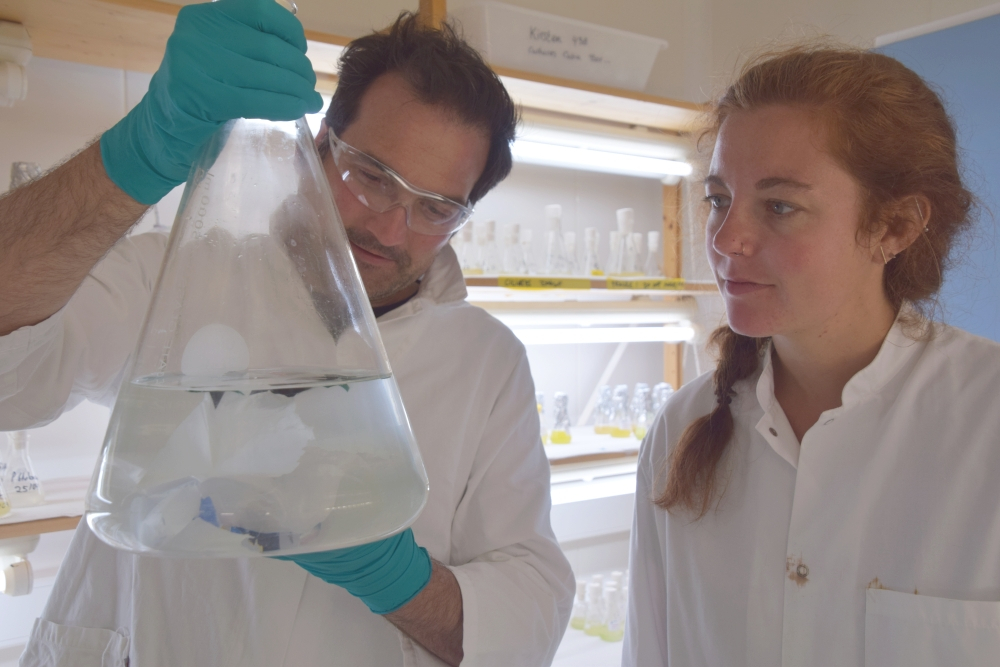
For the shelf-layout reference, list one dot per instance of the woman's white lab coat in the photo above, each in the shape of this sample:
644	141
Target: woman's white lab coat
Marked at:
467	389
875	543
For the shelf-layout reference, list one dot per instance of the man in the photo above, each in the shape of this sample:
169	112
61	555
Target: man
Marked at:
487	584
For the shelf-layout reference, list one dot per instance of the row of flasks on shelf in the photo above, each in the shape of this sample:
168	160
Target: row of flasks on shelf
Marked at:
630	253
600	605
19	485
615	414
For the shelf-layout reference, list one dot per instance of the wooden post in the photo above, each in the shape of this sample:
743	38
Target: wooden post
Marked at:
672	231
432	13
673	353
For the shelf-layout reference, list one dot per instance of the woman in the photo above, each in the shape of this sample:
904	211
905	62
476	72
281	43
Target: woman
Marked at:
830	495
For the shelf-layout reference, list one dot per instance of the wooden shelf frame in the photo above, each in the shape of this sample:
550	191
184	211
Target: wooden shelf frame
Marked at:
38	526
132	35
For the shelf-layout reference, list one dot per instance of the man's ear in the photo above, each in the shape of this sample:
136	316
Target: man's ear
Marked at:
320	138
909	219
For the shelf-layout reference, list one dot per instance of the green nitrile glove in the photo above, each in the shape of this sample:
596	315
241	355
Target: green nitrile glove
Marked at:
226	59
385	575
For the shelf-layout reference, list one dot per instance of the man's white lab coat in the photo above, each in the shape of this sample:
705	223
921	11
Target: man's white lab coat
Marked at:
876	543
466	385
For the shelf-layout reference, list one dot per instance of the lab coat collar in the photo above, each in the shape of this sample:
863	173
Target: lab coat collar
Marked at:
443	283
904	340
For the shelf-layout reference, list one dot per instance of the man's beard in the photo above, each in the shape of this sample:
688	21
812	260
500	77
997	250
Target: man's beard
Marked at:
382	286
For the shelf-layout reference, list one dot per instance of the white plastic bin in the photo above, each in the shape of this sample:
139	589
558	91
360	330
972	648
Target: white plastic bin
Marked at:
532	41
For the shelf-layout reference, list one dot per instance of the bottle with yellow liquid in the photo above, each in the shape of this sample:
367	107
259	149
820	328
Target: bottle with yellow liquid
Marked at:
540	404
578	618
613	628
604	413
640	410
560	429
591	240
593	624
621	425
4	503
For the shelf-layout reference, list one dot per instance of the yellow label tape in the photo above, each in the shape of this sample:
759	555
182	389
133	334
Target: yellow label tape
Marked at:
525	282
646	283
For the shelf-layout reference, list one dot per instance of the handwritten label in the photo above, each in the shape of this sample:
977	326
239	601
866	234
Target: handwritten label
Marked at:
524	282
577	49
646	283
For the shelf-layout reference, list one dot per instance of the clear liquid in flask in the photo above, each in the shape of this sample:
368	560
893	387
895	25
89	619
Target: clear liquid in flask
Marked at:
316	463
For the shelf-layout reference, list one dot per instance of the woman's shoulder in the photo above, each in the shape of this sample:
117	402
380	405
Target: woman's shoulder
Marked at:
957	352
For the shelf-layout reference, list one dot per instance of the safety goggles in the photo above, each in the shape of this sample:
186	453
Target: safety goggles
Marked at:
380	188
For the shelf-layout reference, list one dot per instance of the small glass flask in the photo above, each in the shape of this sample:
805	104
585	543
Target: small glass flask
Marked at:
4	503
560	429
578	618
467	252
527	252
635	253
621	425
653	266
640	410
605	411
490	260
624	264
569	243
612	267
513	256
556	263
613	628
23	487
661	392
591	241
540	405
594	621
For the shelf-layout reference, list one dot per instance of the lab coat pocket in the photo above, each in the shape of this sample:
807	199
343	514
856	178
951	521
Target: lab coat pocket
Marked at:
907	630
70	646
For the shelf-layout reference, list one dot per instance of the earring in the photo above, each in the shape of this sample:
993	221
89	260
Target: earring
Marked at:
884	260
920	212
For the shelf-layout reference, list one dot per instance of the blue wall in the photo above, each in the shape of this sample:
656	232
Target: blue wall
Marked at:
963	63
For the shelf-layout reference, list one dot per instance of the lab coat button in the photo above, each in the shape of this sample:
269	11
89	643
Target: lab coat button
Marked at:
773	432
802	570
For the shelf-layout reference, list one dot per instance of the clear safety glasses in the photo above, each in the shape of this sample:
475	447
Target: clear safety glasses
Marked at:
380	188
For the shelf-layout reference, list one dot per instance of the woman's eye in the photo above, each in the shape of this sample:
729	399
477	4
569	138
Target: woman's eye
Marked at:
717	201
779	208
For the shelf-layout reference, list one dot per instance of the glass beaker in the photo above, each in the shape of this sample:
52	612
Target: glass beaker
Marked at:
259	414
23	487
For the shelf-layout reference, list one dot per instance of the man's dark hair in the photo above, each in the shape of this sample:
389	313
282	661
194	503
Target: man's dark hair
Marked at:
443	70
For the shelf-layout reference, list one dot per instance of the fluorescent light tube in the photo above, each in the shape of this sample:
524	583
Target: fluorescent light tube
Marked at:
588	159
575	336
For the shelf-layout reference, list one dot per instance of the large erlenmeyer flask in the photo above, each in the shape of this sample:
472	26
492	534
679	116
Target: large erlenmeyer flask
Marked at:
259	414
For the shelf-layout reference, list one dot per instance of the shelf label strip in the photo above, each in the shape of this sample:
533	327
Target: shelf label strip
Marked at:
665	284
524	282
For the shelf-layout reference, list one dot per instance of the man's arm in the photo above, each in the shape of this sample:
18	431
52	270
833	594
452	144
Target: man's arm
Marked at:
52	232
433	619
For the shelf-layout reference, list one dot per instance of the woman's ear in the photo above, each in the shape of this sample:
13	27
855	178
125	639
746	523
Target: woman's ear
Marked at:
909	219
